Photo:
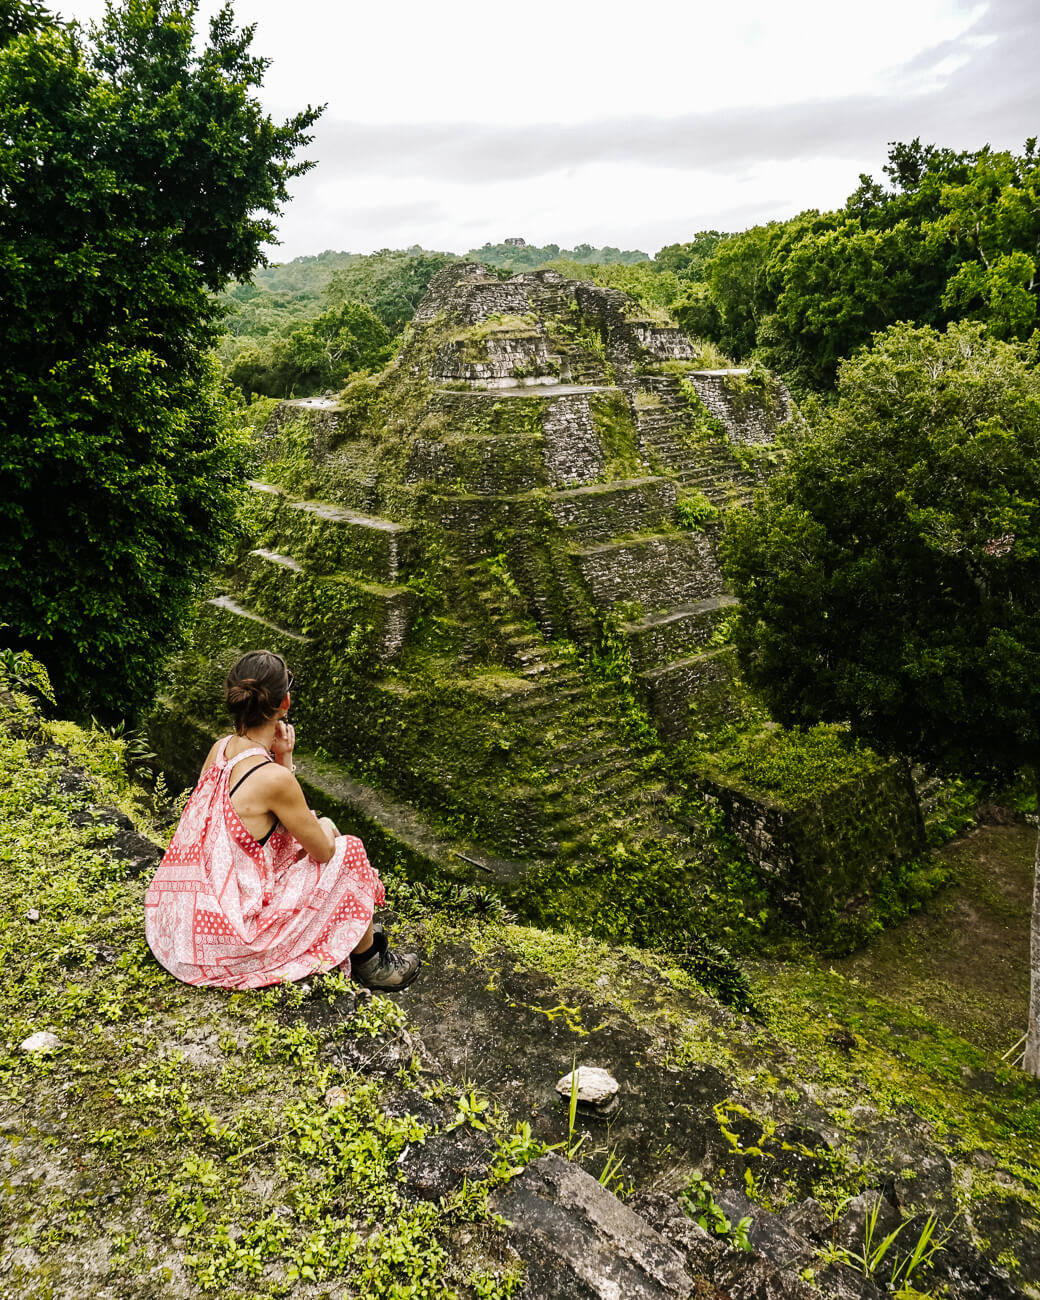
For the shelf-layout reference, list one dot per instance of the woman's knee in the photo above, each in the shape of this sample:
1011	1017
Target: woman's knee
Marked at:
328	826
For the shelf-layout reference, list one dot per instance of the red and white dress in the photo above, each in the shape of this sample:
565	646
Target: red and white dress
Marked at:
224	911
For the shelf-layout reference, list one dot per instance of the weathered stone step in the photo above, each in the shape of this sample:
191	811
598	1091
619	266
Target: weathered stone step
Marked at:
546	697
277	586
592	736
599	511
691	694
254	624
549	674
581	759
659	571
653	419
620	786
658	639
328	538
597	773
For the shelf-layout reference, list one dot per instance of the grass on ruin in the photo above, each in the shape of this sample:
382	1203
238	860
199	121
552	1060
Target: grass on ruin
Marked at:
183	1141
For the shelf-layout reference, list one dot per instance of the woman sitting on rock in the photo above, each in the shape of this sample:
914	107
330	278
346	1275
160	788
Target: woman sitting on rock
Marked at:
254	888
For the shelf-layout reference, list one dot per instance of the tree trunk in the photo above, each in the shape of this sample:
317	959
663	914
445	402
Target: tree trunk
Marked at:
1031	1060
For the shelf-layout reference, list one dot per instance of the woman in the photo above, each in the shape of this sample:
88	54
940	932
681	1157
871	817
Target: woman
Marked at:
255	888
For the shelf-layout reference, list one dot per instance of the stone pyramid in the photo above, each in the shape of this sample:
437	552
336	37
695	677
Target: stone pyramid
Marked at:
493	569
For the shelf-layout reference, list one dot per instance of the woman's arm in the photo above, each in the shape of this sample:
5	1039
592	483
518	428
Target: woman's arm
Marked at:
286	801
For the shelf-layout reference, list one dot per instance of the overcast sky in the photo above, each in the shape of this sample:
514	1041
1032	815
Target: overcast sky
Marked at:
569	121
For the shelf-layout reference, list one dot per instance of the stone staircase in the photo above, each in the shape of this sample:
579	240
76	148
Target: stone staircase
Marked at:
581	368
705	466
589	767
322	572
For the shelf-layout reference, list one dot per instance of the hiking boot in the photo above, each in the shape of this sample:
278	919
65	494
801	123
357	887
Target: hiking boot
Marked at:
383	969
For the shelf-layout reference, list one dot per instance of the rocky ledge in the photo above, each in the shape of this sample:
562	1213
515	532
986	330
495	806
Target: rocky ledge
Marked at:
313	1140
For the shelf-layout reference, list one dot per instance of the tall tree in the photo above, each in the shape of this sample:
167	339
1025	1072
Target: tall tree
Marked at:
321	355
392	282
890	575
138	175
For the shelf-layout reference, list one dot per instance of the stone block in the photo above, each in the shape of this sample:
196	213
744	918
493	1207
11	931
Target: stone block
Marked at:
573	451
662	342
822	859
330	606
330	538
498	361
454	412
600	511
659	571
582	1243
493	465
691	695
678	633
749	414
248	628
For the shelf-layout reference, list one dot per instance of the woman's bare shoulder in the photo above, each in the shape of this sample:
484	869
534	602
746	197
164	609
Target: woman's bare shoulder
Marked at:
211	757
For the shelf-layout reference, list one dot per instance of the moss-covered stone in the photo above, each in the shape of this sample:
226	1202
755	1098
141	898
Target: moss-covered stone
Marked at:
493	613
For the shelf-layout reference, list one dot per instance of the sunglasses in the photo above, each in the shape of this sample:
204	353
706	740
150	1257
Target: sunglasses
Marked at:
289	683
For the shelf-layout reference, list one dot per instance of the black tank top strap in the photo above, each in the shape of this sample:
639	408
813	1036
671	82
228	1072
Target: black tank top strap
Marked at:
255	768
267	834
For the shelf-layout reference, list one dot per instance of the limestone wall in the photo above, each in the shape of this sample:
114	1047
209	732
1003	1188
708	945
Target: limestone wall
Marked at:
750	412
824	860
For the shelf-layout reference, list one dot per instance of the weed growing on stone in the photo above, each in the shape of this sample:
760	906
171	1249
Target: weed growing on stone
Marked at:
698	1201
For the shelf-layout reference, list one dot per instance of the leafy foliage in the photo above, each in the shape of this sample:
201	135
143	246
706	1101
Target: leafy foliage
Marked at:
528	257
687	261
795	764
321	355
137	176
21	671
951	236
890	573
391	282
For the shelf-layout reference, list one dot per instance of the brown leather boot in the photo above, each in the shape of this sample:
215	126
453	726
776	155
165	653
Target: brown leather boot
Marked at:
385	970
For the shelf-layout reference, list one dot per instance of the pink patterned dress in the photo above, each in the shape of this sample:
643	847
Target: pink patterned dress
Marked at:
224	911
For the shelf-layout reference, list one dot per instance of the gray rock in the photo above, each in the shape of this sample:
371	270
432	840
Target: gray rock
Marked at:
32	915
924	1180
436	1167
137	851
101	816
127	844
596	1087
581	1243
44	1041
74	781
808	1219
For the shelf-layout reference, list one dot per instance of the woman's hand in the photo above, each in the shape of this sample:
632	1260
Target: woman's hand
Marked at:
283	744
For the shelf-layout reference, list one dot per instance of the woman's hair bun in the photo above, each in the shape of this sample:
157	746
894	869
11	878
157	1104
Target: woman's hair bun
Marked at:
255	687
246	691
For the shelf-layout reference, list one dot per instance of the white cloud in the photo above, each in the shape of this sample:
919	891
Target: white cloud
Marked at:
465	119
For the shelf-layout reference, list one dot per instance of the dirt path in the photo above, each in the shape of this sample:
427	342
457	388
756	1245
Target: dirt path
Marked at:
964	958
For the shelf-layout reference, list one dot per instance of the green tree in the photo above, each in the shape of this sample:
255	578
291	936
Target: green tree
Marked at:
391	282
838	287
740	288
319	356
996	212
890	575
688	260
138	175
